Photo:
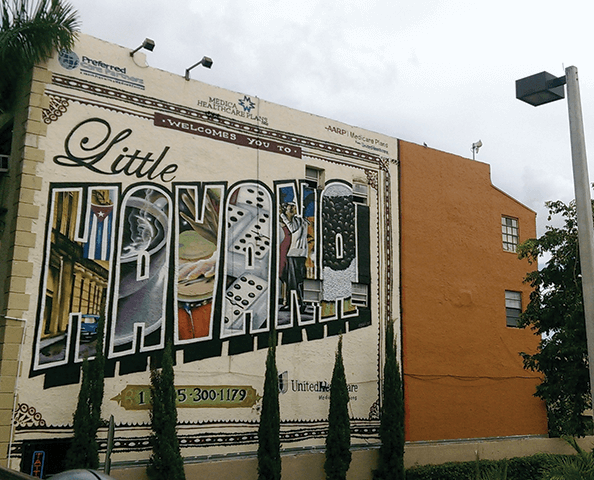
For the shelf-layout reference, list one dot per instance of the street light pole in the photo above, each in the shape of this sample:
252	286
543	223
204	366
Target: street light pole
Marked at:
583	202
545	88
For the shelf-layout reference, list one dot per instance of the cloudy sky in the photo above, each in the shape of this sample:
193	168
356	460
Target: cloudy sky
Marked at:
440	72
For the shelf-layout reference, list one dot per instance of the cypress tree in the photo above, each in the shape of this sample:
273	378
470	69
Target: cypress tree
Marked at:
84	450
166	462
269	459
391	454
338	441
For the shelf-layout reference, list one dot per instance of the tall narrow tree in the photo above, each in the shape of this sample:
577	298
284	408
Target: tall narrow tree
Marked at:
391	454
84	450
29	34
166	462
338	441
269	459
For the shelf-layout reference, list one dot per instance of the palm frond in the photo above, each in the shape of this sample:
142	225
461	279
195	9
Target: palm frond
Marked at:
29	34
575	467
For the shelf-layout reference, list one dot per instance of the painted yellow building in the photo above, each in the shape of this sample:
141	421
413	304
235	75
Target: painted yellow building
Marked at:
185	213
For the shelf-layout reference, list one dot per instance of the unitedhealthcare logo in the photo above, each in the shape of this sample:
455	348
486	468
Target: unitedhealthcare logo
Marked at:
320	387
283	382
99	69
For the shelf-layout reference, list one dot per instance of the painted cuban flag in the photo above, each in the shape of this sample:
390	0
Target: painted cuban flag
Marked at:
98	246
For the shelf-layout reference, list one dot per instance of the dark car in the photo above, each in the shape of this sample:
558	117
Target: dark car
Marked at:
88	328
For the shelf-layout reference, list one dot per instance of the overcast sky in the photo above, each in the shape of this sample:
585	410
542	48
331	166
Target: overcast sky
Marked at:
440	72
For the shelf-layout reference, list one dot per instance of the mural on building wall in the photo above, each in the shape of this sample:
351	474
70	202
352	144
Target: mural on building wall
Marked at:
247	260
197	252
76	274
297	240
172	216
339	267
201	264
141	272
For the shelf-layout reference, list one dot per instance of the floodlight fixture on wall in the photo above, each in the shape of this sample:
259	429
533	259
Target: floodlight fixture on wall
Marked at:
206	62
148	44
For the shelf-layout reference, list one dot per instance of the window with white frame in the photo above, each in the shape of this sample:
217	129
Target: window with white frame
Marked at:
359	294
360	192
510	233
314	176
513	307
312	290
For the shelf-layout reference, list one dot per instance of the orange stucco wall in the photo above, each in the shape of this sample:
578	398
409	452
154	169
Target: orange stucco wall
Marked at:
463	376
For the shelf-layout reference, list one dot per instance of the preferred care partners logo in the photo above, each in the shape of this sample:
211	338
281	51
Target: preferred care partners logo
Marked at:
99	69
68	60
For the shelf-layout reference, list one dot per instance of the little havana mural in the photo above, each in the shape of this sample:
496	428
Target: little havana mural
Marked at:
201	264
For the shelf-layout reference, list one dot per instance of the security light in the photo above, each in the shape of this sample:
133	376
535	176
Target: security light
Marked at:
475	148
148	44
206	62
540	89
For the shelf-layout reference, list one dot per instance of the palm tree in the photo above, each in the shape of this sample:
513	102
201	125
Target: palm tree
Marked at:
574	467
29	34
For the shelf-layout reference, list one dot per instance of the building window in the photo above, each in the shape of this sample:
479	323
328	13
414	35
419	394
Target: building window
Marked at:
509	233
312	290
359	294
513	307
360	192
314	176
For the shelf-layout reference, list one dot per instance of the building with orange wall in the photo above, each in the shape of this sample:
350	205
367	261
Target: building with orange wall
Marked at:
182	212
463	375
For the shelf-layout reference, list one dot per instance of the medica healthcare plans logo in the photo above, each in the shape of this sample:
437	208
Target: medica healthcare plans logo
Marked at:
99	69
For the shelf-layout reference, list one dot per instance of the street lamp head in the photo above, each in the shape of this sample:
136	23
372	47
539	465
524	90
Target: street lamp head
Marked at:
540	89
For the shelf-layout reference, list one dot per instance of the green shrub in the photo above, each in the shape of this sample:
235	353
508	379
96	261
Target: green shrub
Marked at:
521	468
446	471
570	467
528	468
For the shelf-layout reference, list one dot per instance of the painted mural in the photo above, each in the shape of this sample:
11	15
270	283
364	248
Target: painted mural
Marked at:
297	241
248	260
197	252
200	264
188	214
